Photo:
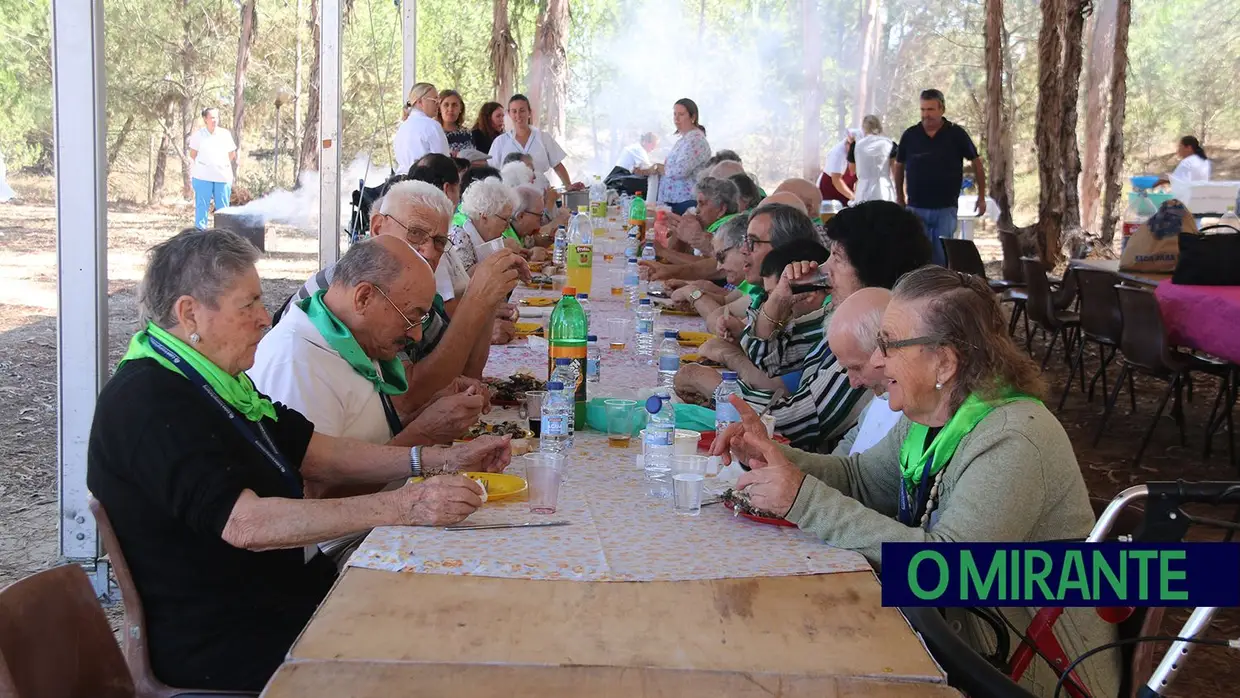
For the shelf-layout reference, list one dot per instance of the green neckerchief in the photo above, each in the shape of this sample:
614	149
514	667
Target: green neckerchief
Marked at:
391	382
756	293
719	223
511	234
436	308
914	453
761	193
459	218
237	390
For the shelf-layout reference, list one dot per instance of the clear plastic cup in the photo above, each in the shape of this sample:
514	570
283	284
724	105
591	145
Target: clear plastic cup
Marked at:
617	333
620	422
688	475
531	408
544	472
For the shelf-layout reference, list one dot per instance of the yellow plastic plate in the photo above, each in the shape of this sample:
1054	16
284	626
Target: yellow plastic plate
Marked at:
539	301
525	329
672	310
697	359
694	339
498	485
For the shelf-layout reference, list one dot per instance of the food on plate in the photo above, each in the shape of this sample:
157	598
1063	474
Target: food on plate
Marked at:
693	339
520	447
496	429
741	505
539	301
525	329
698	359
678	308
506	390
541	281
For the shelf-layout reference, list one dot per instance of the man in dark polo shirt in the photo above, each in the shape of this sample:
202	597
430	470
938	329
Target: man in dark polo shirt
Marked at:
932	154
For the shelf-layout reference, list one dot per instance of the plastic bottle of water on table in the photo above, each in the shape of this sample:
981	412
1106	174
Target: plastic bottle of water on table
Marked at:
669	359
560	247
659	443
583	299
725	412
644	330
648	255
632	248
565	373
557	416
594	363
632	283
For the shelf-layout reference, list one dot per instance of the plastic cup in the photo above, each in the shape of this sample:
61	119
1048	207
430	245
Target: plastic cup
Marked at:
617	333
544	472
768	421
487	249
531	405
688	475
616	276
620	422
686	442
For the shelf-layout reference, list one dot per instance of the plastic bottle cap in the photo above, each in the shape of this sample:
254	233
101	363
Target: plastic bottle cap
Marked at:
654	403
673	334
644	301
591	338
583	296
555	385
729	375
563	362
570	291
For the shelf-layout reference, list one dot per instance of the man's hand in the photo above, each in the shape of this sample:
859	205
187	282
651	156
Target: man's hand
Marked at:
981	205
720	350
900	198
437	501
485	454
461	384
503	332
495	277
448	417
744	438
506	311
538	254
654	271
673	284
728	327
682	294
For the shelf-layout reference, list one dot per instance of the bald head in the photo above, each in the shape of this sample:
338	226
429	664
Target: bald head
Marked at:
726	169
380	290
804	190
852	336
786	198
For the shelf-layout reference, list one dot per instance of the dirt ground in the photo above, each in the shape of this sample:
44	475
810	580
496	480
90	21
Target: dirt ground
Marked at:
28	509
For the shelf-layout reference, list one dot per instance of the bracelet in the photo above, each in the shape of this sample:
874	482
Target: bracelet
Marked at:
778	325
415	461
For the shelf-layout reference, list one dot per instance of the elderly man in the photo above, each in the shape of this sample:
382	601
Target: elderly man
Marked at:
853	337
811	198
531	222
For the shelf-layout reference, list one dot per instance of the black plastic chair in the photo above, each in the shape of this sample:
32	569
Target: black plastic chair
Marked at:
1101	323
1042	311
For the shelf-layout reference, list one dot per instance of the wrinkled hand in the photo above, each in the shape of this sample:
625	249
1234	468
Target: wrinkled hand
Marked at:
495	277
773	487
682	294
448	417
436	501
719	350
696	384
538	254
461	384
981	205
796	272
503	332
673	284
654	271
506	311
729	327
485	454
744	439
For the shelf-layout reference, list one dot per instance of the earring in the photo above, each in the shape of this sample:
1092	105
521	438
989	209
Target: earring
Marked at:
938	386
194	338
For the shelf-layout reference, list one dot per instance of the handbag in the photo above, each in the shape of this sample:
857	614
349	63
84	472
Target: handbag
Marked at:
1209	258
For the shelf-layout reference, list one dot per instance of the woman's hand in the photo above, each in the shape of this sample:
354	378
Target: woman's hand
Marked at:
720	351
773	487
436	501
682	293
485	454
745	439
728	327
503	332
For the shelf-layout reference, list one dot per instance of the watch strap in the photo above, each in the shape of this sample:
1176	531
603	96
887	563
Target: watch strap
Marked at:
415	461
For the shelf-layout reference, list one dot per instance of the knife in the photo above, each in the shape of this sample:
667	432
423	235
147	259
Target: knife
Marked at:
480	527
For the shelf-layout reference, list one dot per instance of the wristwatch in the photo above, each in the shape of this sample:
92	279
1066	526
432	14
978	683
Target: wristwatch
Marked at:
415	461
693	297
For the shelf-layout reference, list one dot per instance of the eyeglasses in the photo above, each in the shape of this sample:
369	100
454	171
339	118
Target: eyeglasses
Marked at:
420	234
751	242
722	255
885	345
409	325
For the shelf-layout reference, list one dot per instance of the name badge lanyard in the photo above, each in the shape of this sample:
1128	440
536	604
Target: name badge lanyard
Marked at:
253	432
909	509
389	411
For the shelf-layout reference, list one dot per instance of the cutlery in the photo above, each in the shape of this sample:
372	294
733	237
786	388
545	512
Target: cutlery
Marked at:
480	527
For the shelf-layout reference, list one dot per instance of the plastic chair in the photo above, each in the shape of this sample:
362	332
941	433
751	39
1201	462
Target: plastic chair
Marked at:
962	256
1101	323
134	639
55	641
1042	311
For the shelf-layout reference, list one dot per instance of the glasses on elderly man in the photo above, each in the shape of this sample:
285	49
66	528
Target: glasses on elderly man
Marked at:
885	345
409	325
420	234
751	242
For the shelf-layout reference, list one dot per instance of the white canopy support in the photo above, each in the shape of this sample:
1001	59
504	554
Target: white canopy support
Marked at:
409	34
79	123
329	131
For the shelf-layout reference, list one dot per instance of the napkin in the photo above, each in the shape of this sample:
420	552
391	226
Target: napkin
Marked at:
532	312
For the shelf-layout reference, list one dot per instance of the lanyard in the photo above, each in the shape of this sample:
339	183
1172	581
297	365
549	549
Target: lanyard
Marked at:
389	411
252	432
909	509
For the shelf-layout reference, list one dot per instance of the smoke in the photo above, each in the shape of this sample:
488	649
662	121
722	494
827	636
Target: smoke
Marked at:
300	207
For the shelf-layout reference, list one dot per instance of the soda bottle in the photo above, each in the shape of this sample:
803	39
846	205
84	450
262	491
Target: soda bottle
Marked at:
569	375
567	340
644	330
557	413
725	412
594	363
581	251
658	444
637	215
660	225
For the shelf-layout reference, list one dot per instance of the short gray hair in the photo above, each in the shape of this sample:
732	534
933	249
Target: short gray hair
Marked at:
720	192
787	224
732	233
865	329
531	200
198	263
514	174
416	194
649	137
368	261
488	197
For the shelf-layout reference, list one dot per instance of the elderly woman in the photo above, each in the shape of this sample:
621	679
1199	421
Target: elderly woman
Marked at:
748	193
420	133
203	476
690	154
488	206
717	200
540	146
514	174
976	457
708	298
871	156
531	222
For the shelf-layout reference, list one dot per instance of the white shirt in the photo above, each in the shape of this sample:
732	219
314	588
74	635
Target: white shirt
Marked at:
296	366
876	421
837	159
873	159
417	136
541	147
1193	168
212	163
443	281
633	157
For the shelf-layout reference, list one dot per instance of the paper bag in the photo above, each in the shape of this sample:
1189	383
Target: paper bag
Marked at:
1155	246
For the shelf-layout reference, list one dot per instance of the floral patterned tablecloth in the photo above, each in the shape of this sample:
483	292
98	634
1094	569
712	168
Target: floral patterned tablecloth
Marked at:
617	531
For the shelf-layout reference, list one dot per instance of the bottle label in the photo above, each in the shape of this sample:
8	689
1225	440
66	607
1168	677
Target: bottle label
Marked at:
555	425
582	257
631	279
669	363
657	436
648	254
726	412
645	326
578	355
592	369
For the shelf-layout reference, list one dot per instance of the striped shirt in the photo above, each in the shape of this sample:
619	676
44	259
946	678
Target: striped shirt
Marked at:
786	349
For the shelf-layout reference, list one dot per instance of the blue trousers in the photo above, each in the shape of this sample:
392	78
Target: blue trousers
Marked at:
940	223
204	192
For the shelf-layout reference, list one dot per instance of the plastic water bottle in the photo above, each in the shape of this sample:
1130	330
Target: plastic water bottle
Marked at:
594	363
648	255
566	375
725	412
1230	218
583	299
659	443
632	283
644	330
598	199
632	249
669	359
557	419
561	246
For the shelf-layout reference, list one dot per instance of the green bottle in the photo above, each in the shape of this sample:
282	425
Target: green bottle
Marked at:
637	216
568	341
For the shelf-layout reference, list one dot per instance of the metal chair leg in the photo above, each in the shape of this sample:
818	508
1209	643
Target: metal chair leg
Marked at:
1177	407
1132	390
1110	404
1162	405
1051	347
1105	359
1077	362
1215	421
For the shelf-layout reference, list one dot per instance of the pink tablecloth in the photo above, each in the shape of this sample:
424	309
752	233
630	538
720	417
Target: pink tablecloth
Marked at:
1205	318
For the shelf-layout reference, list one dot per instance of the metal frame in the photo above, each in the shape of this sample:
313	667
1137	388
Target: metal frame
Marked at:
329	131
409	34
79	123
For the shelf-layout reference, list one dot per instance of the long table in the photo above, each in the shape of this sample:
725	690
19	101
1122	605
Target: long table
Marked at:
630	599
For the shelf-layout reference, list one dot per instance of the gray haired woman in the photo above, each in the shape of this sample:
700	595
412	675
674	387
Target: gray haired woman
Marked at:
488	206
202	476
975	457
717	201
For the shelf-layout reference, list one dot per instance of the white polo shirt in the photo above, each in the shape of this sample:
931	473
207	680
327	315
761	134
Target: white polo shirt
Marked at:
877	419
837	159
417	136
541	147
212	163
296	366
1193	168
633	157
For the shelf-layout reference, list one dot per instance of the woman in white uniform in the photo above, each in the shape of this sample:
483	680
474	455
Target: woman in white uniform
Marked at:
1194	165
540	146
420	133
872	155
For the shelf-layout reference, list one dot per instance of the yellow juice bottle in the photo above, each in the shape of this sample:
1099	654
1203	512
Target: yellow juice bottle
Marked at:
580	253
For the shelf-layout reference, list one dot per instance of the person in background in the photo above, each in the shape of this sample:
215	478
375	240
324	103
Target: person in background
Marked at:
462	165
635	159
477	174
724	155
976	457
1194	165
514	174
532	223
871	157
679	171
747	189
488	206
836	182
723	169
853	337
420	133
440	171
451	117
213	151
709	299
809	196
716	200
931	153
546	153
488	126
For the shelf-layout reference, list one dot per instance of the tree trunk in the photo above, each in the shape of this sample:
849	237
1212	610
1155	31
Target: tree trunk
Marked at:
309	156
297	89
868	38
841	92
119	143
245	42
1115	117
1097	71
1071	84
1050	125
188	122
998	132
549	68
503	51
811	47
